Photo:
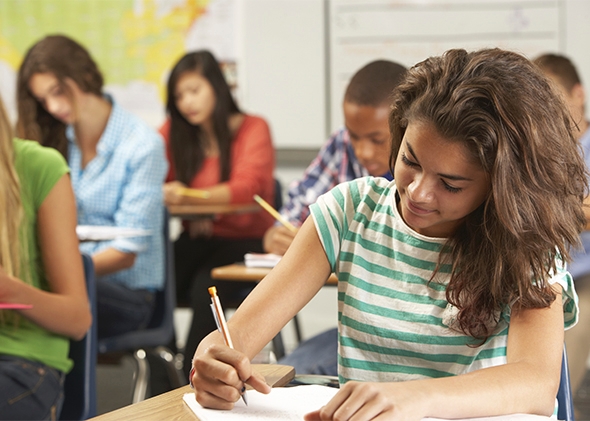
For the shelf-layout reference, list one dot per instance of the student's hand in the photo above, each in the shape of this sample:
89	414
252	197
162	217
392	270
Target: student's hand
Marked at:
277	239
368	401
202	227
220	376
171	194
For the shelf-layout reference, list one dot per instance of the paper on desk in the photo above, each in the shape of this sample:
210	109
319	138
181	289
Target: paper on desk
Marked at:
283	403
261	260
102	233
292	403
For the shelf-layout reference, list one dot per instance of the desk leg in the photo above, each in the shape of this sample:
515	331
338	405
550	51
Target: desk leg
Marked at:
278	346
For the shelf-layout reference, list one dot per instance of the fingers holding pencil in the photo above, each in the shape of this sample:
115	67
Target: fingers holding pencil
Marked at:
274	213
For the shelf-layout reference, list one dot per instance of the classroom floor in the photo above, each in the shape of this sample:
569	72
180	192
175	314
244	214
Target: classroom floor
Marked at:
582	400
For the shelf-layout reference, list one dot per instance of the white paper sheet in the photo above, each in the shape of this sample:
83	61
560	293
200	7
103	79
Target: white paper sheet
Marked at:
261	260
102	233
283	403
292	403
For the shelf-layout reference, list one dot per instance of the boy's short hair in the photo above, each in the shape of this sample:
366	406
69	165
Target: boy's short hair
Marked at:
373	84
561	67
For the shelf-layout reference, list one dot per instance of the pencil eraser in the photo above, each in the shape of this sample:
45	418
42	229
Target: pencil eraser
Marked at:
212	291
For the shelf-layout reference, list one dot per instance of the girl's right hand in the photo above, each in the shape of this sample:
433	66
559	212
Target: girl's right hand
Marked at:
277	240
220	375
171	193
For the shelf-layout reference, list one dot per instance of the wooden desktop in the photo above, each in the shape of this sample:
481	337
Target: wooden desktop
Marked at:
239	272
170	406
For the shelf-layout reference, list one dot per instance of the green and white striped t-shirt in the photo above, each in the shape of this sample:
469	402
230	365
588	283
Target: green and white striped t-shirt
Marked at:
394	324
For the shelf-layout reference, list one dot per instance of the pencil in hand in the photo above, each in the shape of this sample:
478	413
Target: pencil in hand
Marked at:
274	213
201	194
219	317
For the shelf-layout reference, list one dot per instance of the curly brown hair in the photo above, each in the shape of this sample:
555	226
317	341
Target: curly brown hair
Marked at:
65	59
501	107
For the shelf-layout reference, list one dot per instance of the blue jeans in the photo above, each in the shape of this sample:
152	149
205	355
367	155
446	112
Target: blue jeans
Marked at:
120	310
29	390
316	355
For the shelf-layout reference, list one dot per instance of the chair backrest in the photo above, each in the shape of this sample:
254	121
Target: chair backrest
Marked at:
564	393
278	195
80	383
160	330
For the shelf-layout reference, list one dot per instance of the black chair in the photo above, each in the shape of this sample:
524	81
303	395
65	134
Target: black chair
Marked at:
565	400
155	338
80	383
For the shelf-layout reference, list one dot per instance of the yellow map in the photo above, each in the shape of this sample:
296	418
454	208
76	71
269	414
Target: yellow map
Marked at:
134	42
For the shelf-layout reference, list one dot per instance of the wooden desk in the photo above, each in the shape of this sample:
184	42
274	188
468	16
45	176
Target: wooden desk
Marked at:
188	211
240	272
170	406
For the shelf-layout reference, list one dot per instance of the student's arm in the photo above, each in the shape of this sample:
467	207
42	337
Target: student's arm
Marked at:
140	204
64	309
252	165
319	177
220	371
111	260
528	383
277	239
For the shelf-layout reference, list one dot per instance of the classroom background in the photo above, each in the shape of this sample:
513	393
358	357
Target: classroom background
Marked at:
287	60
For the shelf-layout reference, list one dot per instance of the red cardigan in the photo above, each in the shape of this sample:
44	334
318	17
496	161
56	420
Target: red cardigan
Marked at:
252	172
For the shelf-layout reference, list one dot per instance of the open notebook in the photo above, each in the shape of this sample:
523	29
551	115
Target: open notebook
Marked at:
292	403
261	260
283	403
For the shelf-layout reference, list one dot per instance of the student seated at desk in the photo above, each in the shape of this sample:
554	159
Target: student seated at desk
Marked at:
358	149
117	167
40	265
214	147
453	293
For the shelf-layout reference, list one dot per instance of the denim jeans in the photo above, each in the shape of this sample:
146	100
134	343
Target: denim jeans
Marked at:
316	355
29	390
120	310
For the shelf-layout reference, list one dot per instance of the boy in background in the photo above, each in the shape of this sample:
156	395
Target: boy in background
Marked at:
360	148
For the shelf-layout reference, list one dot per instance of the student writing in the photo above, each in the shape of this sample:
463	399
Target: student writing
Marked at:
117	166
39	265
453	295
216	148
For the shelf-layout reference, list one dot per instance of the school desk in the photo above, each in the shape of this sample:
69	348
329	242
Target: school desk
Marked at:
170	406
241	273
188	211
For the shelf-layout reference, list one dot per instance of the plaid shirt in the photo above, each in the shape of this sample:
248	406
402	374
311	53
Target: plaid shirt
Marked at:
122	187
334	164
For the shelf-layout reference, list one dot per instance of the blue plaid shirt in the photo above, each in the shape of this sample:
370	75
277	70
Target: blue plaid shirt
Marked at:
334	164
122	186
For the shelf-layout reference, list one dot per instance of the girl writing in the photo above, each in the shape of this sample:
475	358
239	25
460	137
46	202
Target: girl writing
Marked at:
117	167
214	147
453	295
40	265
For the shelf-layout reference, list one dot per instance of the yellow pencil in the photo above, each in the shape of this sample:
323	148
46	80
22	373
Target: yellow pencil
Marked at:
201	194
274	213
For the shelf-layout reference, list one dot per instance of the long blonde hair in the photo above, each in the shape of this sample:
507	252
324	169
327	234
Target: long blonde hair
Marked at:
11	209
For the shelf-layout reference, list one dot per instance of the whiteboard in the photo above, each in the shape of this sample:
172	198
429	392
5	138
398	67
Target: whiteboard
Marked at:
408	31
295	57
282	68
